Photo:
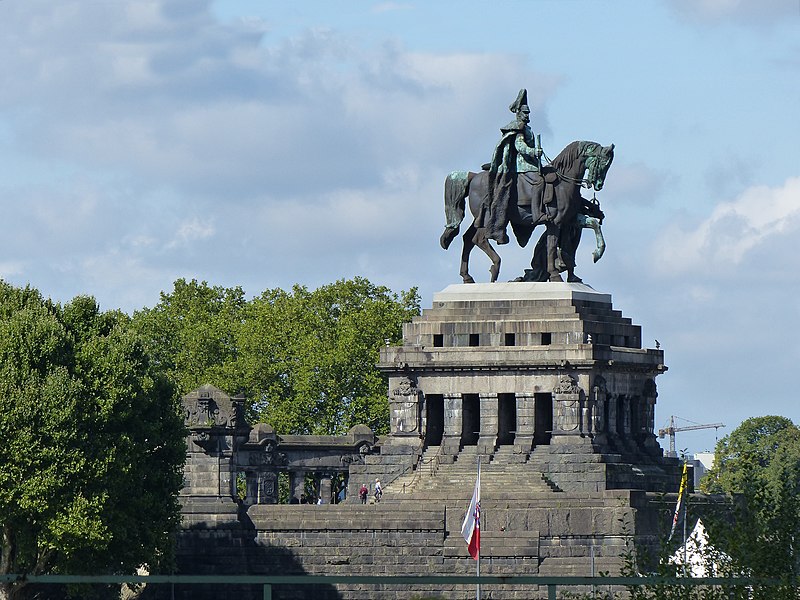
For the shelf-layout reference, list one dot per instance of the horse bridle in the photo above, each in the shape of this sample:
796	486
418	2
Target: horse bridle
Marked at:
584	182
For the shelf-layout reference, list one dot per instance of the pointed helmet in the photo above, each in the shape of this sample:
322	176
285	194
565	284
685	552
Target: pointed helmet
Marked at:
522	100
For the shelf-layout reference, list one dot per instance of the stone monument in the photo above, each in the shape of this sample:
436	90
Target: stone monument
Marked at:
547	384
543	381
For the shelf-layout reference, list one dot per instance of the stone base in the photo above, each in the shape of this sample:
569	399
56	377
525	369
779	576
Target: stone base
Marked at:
530	537
518	290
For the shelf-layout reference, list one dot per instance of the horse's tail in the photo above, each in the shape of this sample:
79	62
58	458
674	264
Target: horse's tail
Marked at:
456	186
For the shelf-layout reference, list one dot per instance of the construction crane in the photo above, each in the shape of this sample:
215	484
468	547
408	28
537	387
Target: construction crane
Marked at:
671	429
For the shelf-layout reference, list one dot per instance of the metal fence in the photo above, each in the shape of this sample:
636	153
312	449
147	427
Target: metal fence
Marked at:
485	581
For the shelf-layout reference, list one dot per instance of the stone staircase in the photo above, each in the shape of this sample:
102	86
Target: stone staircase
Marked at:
424	471
501	478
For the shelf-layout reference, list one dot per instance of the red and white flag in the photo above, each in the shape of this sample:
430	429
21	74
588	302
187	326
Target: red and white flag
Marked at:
471	528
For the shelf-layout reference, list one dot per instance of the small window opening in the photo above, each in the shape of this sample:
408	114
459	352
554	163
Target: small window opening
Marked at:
511	339
438	340
474	339
546	339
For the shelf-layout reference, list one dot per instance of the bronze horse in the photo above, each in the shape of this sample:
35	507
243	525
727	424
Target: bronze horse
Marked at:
563	209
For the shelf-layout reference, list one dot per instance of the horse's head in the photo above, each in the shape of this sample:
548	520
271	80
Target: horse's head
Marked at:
598	160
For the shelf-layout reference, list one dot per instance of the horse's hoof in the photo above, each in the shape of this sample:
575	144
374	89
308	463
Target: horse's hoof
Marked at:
468	279
574	279
494	273
447	237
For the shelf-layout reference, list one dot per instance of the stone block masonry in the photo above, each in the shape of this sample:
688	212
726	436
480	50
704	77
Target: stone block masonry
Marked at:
546	384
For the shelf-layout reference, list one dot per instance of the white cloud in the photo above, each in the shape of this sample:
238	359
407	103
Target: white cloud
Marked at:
760	215
206	108
191	145
11	269
192	231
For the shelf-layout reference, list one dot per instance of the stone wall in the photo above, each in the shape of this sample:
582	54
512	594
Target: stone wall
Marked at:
406	538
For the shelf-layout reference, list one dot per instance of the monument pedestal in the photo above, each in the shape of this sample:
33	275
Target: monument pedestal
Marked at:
517	367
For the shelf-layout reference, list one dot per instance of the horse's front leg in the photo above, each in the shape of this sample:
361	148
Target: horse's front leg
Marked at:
600	242
483	243
552	251
469	243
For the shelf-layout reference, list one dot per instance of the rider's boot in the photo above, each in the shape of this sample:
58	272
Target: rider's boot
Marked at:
552	252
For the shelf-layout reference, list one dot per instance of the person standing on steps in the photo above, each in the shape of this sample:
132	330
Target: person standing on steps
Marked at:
363	492
378	490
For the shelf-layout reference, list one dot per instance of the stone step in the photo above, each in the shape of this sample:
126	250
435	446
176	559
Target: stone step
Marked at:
519	323
501	481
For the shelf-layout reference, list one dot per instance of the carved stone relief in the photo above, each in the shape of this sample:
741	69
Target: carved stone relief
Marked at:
405	407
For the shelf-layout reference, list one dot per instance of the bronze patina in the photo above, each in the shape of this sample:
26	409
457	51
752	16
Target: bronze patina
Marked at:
516	189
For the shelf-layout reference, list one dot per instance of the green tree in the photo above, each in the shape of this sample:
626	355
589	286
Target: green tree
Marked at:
305	360
760	462
93	445
192	334
310	356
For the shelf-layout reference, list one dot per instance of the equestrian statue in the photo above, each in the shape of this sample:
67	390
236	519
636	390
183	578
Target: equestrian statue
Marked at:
516	189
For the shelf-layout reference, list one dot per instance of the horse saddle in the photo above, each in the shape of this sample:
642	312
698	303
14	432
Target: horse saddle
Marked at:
549	174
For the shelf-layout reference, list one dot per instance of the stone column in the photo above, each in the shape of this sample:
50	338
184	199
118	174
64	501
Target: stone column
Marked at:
650	394
227	479
487	441
599	399
587	416
626	417
453	415
297	483
252	481
627	433
325	485
526	419
611	425
203	466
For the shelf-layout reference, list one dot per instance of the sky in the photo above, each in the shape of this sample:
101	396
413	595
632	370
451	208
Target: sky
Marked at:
265	144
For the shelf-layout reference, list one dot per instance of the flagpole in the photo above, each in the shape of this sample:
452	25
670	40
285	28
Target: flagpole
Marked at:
478	561
471	529
685	519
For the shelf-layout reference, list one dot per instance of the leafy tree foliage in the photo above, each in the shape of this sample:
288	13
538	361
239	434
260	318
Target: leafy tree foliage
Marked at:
192	334
760	461
92	441
305	360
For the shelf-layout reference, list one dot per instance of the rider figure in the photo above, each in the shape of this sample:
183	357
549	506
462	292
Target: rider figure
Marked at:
514	173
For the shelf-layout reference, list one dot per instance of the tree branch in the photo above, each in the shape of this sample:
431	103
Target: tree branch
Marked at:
7	552
8	548
43	561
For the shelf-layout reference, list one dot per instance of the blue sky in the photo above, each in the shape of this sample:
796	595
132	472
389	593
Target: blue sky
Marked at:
264	144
